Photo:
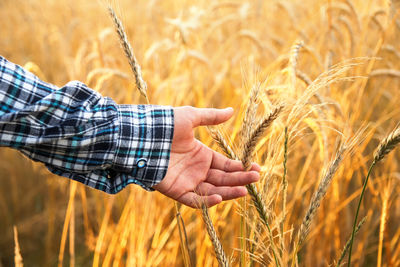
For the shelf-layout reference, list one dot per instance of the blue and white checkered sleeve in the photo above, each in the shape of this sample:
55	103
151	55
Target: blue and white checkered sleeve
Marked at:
79	134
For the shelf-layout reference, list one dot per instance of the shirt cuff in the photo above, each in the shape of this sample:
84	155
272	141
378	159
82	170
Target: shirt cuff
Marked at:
143	145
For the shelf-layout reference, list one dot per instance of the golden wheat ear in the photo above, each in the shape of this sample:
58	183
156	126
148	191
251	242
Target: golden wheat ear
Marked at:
319	195
255	136
218	249
256	197
387	145
137	71
222	143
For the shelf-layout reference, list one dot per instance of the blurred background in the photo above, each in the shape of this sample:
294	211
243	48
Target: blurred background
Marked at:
210	54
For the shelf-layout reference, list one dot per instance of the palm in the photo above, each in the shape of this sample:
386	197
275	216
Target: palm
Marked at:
188	169
197	173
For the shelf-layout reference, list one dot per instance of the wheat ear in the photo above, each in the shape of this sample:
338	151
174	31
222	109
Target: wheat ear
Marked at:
318	196
140	83
250	112
222	143
387	145
246	126
346	247
251	188
256	197
255	136
384	148
218	249
294	54
302	76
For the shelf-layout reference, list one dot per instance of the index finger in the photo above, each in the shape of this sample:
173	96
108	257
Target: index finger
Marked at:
220	162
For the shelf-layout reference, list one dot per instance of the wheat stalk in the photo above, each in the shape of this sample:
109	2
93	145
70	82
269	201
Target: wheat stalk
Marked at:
384	148
354	13
17	252
385	72
256	197
142	87
347	24
253	37
218	249
140	83
384	217
244	132
183	237
346	247
302	76
391	49
316	202
285	183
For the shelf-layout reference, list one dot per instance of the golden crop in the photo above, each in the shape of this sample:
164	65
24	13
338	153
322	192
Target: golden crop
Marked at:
333	65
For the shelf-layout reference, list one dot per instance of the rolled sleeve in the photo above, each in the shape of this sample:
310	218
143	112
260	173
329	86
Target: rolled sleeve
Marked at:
142	151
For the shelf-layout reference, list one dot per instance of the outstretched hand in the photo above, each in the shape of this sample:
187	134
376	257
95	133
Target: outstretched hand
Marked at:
196	173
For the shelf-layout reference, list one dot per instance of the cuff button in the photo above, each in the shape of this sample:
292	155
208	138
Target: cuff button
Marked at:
140	163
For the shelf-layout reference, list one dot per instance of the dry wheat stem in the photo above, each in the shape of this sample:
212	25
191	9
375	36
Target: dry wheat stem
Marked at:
17	252
140	83
246	126
256	197
249	118
258	202
285	185
218	249
255	136
385	72
302	76
391	49
318	196
251	188
347	25
346	247
183	237
384	216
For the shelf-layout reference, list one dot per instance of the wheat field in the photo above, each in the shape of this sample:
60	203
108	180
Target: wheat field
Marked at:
332	67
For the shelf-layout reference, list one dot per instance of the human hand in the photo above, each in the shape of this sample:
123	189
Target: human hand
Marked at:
196	173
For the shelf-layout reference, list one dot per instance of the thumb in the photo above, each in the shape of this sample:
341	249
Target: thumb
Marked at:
211	116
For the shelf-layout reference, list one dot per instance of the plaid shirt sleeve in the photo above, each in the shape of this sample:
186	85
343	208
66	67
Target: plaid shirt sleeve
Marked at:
79	134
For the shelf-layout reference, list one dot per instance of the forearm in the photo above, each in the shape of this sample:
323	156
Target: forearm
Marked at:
79	134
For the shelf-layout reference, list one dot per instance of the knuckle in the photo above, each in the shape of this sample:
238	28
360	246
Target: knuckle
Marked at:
227	165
